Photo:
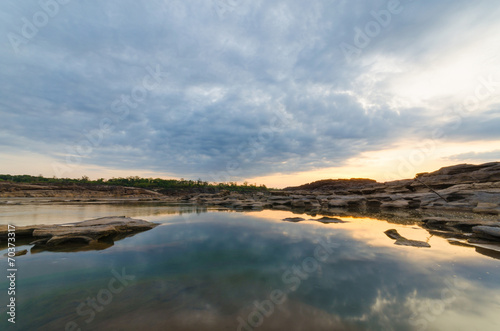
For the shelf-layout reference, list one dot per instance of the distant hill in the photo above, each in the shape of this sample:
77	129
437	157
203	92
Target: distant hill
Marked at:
437	180
333	185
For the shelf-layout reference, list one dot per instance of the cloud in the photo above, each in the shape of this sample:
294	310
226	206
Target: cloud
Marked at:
477	157
251	89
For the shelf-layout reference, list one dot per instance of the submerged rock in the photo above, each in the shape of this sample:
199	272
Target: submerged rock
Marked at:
483	247
400	240
293	219
328	220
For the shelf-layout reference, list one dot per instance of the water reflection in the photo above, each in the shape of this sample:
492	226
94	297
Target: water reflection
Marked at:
49	213
219	271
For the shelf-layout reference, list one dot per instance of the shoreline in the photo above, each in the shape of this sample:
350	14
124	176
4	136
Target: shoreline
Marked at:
465	228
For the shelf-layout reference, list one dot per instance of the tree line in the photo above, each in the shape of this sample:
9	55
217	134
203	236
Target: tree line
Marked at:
135	181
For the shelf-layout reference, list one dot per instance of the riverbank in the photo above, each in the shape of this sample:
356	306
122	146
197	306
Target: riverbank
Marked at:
460	203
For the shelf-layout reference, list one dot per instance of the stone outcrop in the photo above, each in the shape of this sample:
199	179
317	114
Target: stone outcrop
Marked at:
460	188
471	191
402	241
22	190
329	220
491	233
293	219
92	234
333	185
482	234
324	220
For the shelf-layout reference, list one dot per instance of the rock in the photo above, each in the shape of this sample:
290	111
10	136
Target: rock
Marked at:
293	219
478	241
18	253
414	203
436	220
437	224
278	197
449	234
21	231
335	185
224	193
246	205
393	234
83	233
298	204
42	190
281	202
328	220
58	240
448	224
400	240
356	203
463	173
487	232
487	208
395	204
373	204
281	207
447	189
305	203
337	203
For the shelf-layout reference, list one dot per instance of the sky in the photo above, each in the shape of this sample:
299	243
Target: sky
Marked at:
277	92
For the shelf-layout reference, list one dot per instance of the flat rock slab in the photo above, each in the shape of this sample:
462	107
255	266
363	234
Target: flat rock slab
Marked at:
294	219
402	241
488	248
82	233
21	231
328	220
18	253
488	232
395	204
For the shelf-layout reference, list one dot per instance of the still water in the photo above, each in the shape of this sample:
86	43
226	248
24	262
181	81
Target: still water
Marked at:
218	270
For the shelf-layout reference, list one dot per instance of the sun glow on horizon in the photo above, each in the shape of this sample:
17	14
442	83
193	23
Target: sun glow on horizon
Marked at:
400	162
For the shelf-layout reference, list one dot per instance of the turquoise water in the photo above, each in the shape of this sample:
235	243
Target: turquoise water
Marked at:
252	271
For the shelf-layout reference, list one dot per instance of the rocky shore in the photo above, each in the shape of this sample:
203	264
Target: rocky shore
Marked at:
460	188
470	191
73	191
460	203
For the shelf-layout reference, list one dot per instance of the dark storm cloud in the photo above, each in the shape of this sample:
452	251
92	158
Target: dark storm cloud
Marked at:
258	87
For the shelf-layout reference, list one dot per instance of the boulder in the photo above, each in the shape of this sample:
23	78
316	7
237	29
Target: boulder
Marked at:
400	240
293	219
84	233
487	232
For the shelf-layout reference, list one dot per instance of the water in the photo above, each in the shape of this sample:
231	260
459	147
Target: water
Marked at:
214	270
